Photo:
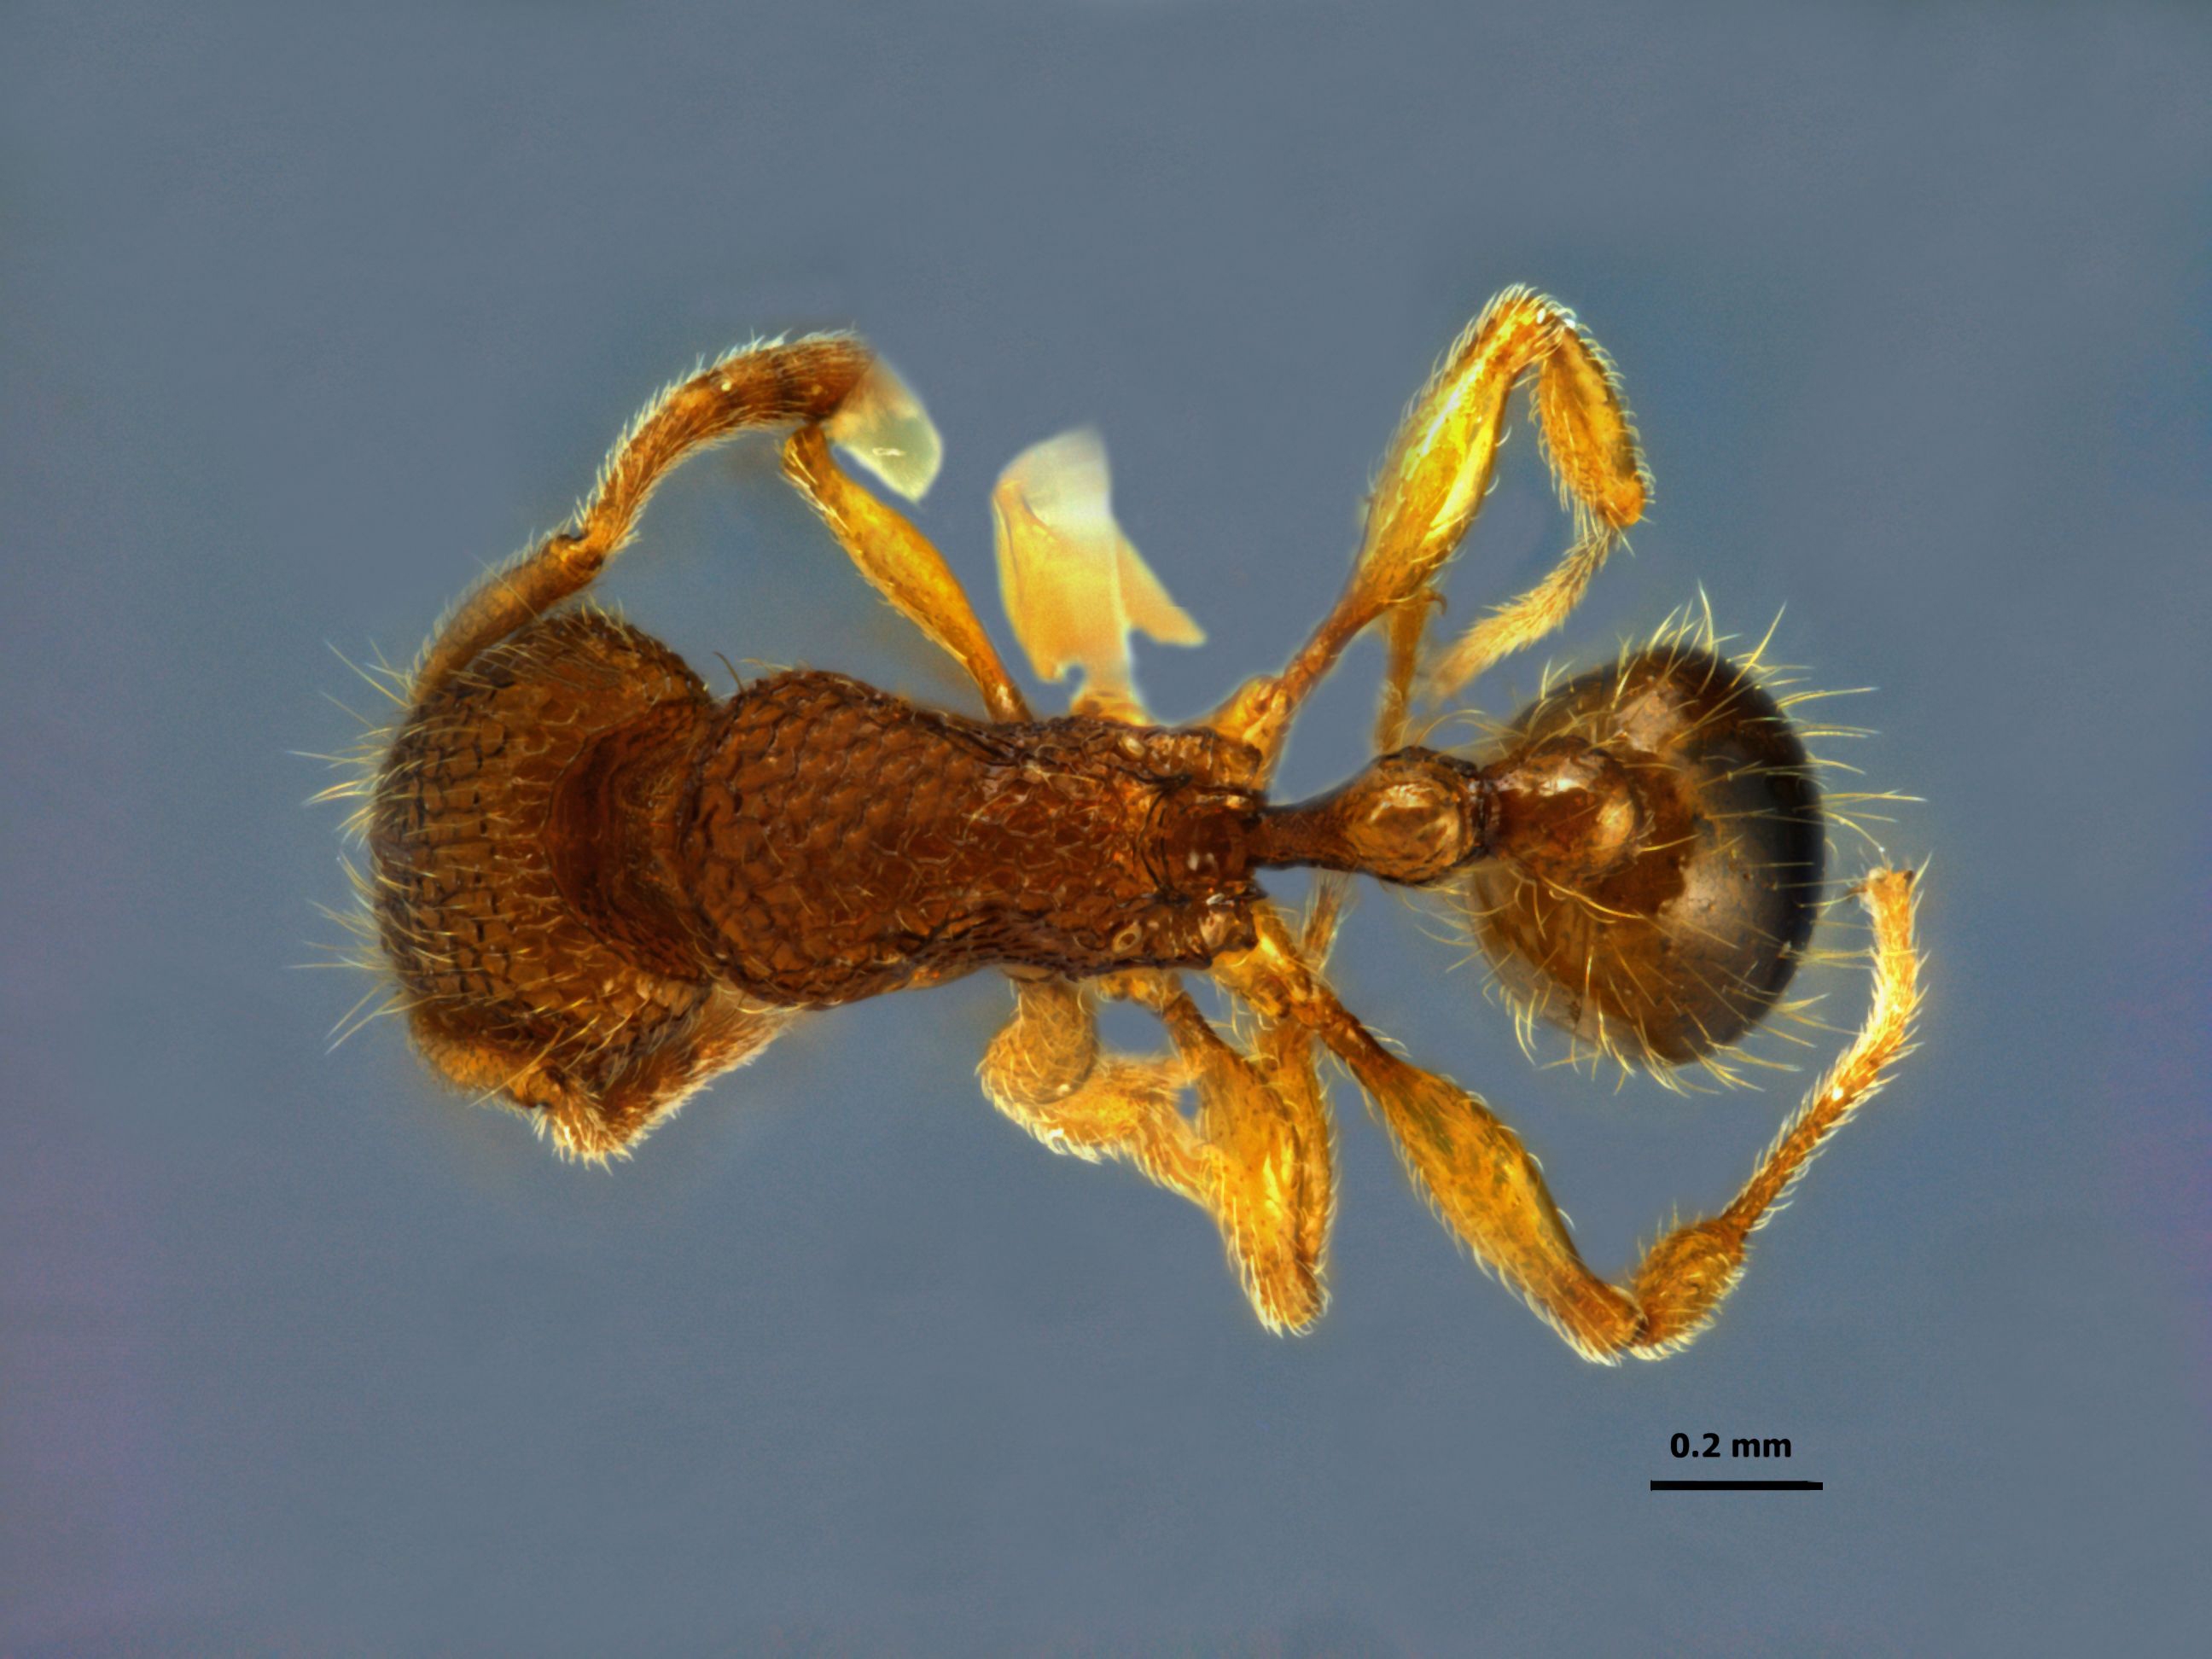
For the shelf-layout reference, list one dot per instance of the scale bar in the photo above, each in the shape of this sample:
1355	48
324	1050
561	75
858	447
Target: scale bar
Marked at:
1739	1485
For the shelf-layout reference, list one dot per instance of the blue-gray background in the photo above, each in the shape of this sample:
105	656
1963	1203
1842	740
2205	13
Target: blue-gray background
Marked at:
304	321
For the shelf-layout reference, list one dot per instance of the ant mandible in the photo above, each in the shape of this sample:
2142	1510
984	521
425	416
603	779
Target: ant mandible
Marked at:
598	887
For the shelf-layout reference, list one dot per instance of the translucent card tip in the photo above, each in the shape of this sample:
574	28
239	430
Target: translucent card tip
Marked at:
884	428
1073	585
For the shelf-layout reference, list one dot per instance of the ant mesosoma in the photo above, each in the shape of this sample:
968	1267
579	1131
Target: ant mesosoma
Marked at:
598	887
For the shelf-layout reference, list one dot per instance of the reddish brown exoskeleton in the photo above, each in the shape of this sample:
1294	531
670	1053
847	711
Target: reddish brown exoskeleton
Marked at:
598	885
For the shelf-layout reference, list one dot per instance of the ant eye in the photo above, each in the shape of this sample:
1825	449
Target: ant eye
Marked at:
1660	849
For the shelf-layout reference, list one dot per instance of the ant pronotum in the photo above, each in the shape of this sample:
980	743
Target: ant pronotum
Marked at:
598	887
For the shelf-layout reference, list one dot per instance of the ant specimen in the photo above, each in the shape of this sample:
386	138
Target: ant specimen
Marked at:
598	887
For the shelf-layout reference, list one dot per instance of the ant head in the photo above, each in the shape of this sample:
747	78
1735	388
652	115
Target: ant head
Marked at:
1659	849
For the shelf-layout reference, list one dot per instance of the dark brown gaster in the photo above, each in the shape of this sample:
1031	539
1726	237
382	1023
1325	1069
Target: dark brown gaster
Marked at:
1660	852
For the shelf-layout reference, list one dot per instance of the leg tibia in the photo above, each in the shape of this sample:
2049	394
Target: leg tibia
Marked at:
1680	1284
1588	435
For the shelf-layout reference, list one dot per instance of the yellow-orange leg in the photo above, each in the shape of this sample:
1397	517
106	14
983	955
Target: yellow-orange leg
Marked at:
1045	1069
1488	1188
826	378
904	567
1257	1159
1438	470
1264	1111
1401	655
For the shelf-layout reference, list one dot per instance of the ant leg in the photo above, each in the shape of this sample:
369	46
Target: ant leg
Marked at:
1683	1276
1264	1114
1438	467
832	378
904	568
1490	1192
1401	655
1264	1110
1044	1070
1523	621
1257	1159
